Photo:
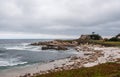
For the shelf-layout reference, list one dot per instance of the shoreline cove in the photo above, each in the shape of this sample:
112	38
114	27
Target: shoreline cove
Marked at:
96	55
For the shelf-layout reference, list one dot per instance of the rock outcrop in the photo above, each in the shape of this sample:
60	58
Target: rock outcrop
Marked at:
54	47
56	44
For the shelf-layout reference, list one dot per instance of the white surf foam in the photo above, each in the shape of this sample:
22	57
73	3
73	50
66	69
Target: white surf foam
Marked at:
24	46
10	62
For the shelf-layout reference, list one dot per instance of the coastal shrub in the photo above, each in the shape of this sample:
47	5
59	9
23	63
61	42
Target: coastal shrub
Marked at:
114	39
95	37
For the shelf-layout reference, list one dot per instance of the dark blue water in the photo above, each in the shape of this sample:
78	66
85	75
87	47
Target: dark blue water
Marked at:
18	52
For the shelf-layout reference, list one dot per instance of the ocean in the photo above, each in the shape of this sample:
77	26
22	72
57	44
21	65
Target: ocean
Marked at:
18	52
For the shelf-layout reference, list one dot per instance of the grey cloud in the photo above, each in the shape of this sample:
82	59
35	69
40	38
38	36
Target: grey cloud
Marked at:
60	17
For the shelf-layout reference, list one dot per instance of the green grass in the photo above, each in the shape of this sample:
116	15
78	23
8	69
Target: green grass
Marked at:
102	70
106	43
70	41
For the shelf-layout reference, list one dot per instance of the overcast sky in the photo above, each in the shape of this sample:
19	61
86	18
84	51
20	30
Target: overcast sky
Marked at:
58	18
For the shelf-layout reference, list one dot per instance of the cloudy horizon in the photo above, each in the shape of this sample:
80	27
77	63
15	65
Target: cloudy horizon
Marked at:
58	19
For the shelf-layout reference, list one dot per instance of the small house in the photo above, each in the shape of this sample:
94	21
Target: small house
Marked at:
91	37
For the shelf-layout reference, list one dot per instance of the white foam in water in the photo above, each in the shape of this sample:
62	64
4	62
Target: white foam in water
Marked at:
10	62
24	46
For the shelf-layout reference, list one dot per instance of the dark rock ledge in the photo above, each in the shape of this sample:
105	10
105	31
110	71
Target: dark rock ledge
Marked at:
56	45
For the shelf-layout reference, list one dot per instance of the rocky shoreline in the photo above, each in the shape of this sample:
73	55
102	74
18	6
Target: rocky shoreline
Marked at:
93	55
55	44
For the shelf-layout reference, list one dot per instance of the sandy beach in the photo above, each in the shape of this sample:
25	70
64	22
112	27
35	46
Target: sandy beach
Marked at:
17	71
94	56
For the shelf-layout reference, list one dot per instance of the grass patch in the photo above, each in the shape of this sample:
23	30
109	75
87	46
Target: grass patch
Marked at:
69	41
102	70
106	43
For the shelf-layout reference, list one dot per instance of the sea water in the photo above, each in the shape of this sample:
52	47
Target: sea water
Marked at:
18	52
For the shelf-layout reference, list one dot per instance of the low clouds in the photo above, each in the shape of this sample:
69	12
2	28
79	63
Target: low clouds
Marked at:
63	17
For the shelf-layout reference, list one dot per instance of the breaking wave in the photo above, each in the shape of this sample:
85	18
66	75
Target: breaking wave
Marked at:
23	46
10	62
